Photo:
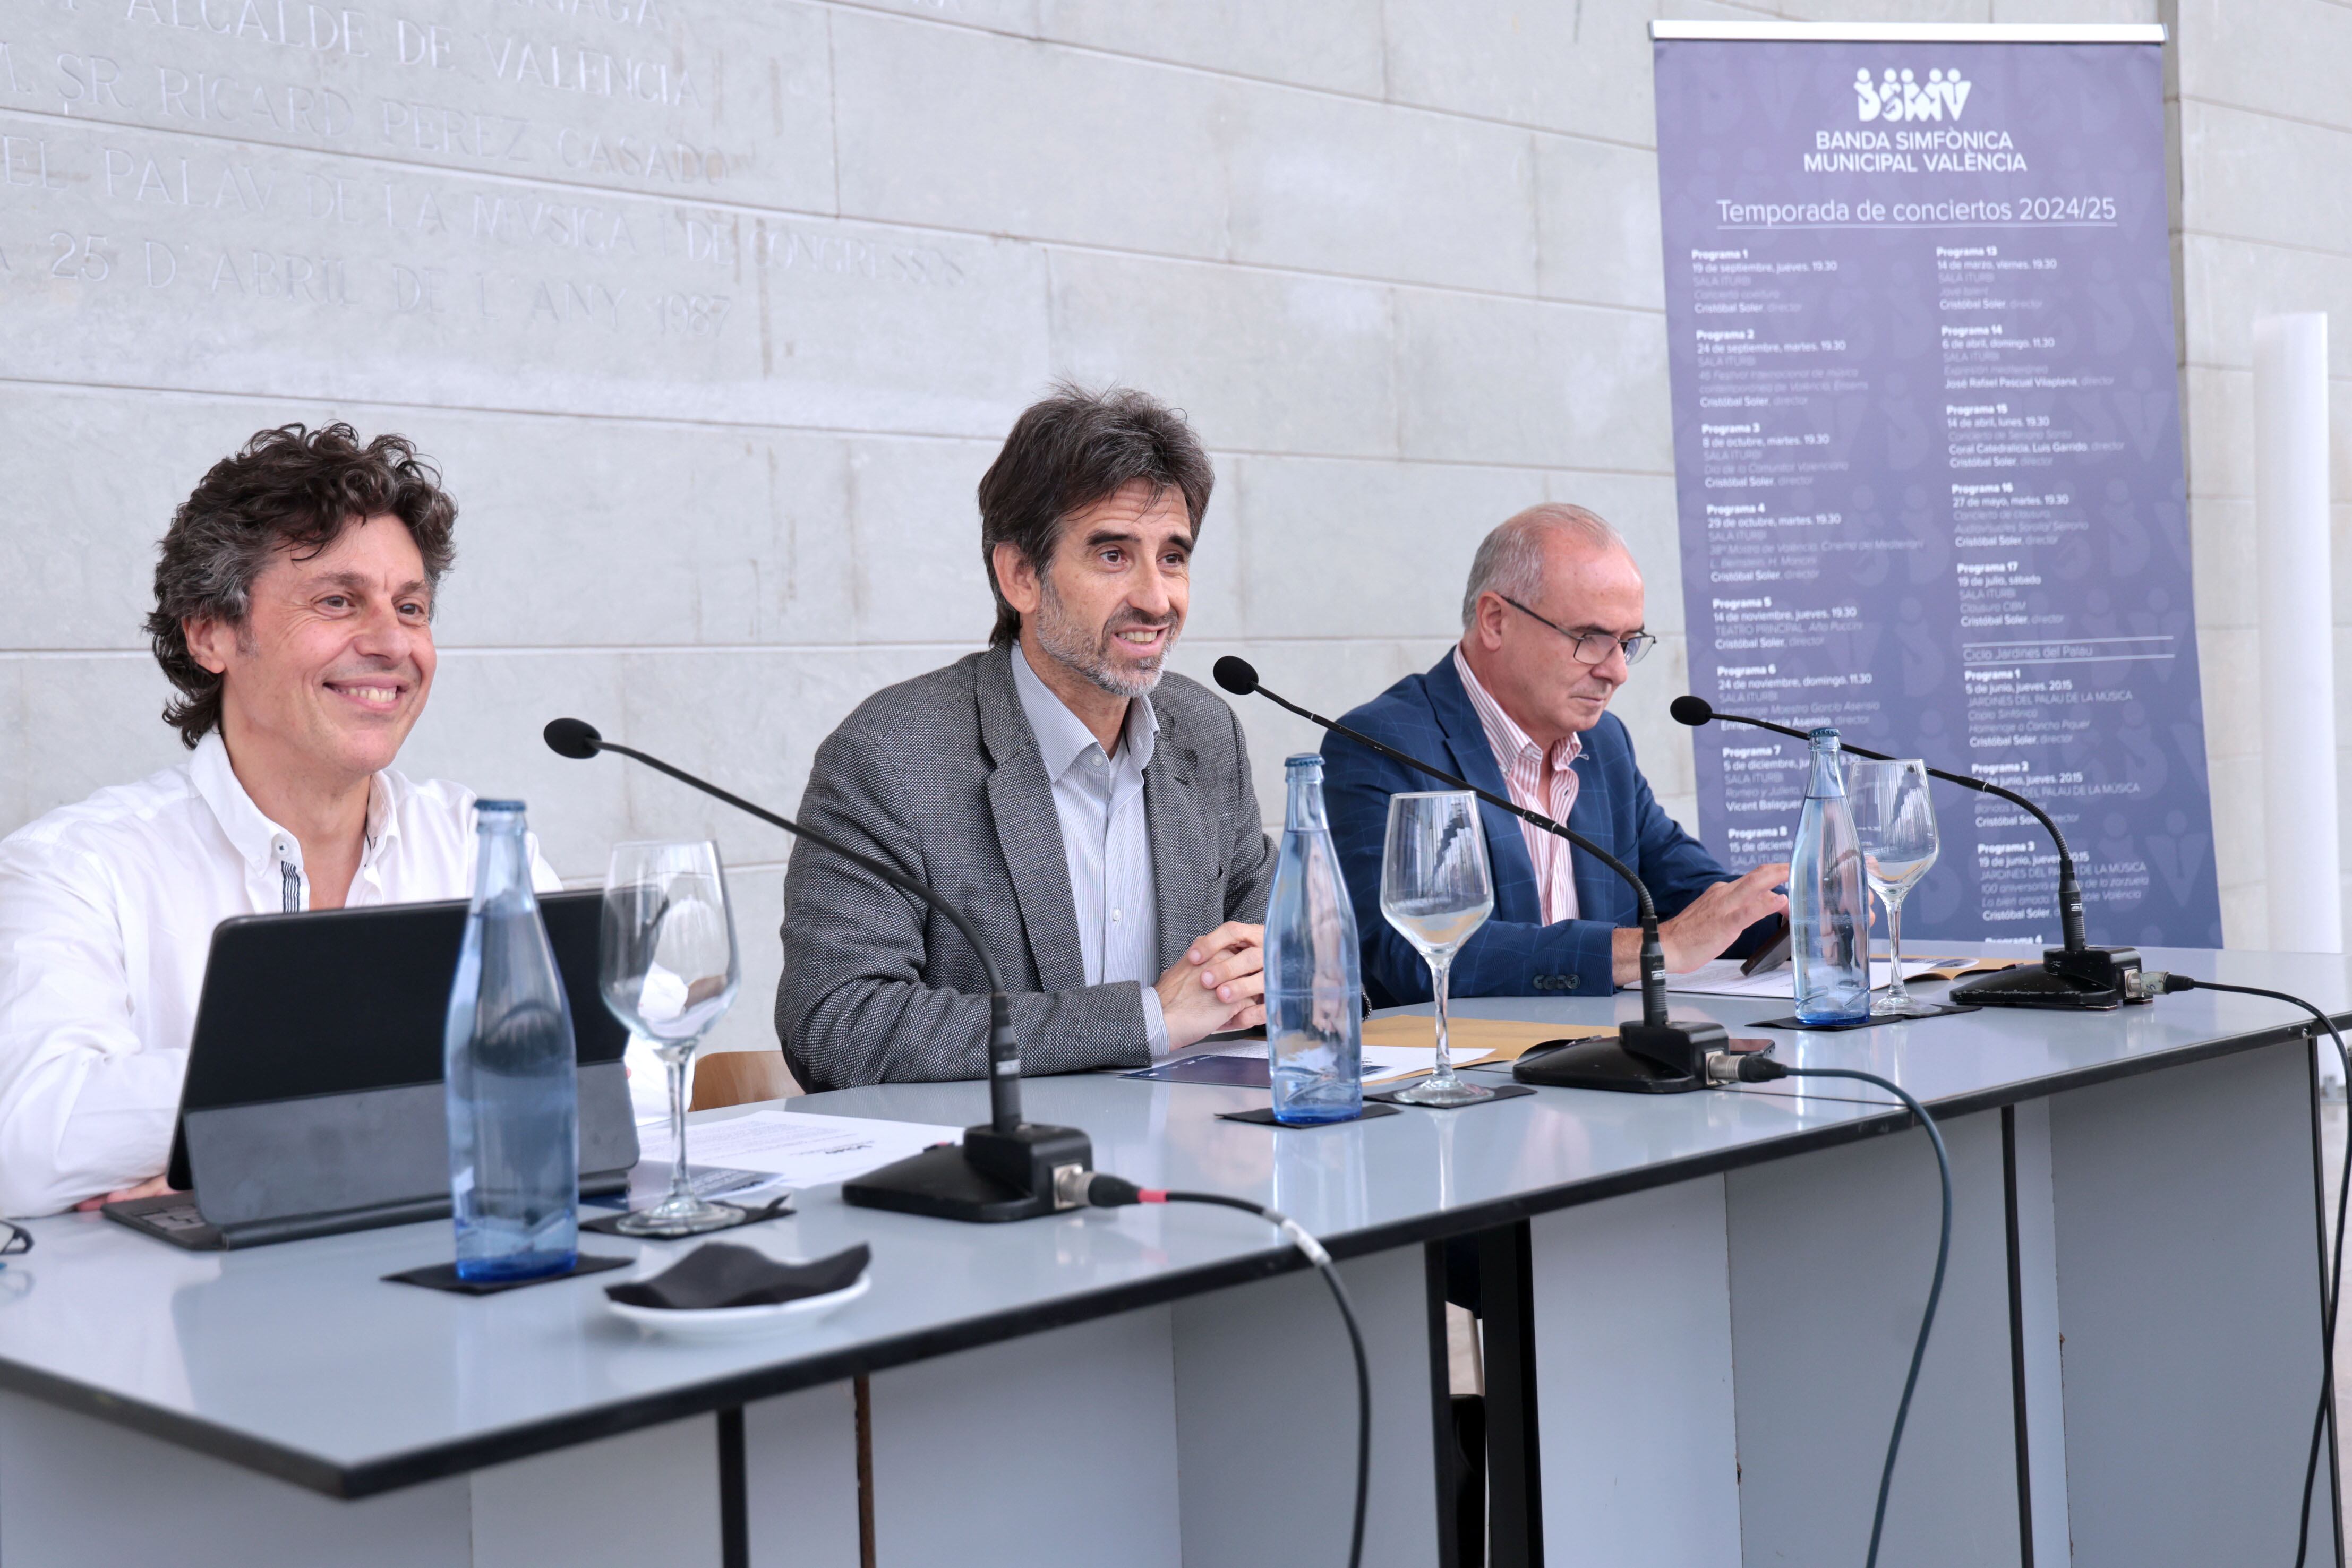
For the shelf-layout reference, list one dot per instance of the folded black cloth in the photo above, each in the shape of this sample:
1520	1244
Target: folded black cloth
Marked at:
720	1274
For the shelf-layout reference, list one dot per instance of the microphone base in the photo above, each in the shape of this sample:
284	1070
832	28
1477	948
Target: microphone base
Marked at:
1643	1059
2083	979
980	1182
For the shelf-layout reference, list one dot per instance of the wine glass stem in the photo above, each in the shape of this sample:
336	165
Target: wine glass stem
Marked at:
1439	970
1895	992
679	1189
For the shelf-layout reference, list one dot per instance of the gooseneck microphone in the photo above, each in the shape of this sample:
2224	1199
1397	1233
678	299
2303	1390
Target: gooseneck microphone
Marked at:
2073	974
1667	1056
1005	1168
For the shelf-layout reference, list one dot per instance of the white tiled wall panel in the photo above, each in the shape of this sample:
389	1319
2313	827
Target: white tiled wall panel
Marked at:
713	315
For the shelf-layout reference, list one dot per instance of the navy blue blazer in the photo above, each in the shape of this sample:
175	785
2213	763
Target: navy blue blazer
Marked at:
1515	952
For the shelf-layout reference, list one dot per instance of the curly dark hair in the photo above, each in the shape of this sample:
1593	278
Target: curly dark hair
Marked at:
293	489
1066	453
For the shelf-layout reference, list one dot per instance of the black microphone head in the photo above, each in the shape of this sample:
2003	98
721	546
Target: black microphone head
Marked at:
573	738
1692	711
1238	677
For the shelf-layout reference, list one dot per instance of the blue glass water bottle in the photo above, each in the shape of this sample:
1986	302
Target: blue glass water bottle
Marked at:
1828	920
1314	984
513	1090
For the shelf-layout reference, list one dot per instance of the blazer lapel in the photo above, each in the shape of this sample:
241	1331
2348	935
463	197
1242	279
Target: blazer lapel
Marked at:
1028	829
1178	829
1515	897
1600	894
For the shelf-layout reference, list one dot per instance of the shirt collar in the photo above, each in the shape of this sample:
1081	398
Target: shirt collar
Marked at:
1062	737
1501	729
262	842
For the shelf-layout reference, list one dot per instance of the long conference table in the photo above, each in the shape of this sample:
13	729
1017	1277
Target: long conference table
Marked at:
1699	1311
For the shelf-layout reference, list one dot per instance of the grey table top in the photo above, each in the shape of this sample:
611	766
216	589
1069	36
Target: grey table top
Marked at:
297	1361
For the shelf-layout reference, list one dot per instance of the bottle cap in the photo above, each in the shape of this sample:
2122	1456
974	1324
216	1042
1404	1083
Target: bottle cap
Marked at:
1303	759
1820	735
488	806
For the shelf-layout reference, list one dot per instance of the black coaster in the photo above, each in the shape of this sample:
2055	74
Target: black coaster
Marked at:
775	1208
1263	1117
444	1276
1501	1091
1941	1009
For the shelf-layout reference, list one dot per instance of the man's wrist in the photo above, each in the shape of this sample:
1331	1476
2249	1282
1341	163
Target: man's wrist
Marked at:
1625	955
1155	1022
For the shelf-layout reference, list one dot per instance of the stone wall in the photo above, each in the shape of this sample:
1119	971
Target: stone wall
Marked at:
713	315
2264	228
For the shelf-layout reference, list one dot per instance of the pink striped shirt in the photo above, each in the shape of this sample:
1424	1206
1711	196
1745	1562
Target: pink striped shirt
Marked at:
1538	781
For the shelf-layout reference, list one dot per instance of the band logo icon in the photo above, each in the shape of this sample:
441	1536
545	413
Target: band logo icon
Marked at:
1899	96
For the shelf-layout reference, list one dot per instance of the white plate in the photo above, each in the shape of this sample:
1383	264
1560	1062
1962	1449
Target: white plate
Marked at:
730	1323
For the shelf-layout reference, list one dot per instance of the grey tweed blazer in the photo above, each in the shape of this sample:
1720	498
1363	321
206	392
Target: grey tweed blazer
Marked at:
940	776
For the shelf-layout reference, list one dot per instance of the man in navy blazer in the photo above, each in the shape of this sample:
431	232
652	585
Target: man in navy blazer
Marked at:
1552	621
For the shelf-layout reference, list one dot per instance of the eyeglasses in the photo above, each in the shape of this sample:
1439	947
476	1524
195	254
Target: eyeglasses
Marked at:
14	1240
1592	648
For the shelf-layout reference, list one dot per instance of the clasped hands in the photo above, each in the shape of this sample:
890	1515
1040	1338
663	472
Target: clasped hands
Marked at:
1218	985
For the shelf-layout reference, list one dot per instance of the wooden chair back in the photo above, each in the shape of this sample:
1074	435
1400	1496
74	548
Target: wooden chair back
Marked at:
740	1078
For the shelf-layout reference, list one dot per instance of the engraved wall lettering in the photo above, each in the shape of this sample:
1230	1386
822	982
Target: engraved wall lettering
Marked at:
571	303
430	45
417	211
24	160
272	274
140	253
286	24
610	92
638	14
527	62
692	314
249	188
195	95
786	248
707	237
320	111
93	81
85	258
416	288
424	128
593	152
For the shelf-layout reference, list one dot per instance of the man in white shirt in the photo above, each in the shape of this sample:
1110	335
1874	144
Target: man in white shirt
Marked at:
293	614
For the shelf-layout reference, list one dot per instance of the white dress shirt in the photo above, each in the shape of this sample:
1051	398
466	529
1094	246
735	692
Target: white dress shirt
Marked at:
1105	838
1545	782
107	911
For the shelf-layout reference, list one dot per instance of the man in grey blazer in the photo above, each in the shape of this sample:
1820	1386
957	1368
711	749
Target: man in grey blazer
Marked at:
1092	815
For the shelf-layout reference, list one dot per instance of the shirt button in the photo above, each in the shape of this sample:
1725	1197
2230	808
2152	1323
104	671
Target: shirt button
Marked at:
1114	915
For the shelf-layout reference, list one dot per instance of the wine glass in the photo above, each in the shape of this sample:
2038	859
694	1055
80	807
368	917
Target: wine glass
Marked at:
1895	820
668	970
1437	889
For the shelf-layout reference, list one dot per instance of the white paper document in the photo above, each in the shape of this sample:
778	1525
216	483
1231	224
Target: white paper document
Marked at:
1722	978
801	1150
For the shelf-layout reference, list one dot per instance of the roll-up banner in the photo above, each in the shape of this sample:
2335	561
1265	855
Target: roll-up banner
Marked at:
1927	450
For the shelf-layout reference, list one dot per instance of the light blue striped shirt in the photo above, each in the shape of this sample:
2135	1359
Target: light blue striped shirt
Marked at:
1105	838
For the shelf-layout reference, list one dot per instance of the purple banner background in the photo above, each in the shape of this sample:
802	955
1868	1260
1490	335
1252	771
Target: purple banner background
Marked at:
1927	458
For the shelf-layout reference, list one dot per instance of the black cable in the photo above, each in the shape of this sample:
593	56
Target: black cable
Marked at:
1762	1069
1113	1192
2332	1288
